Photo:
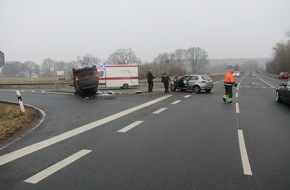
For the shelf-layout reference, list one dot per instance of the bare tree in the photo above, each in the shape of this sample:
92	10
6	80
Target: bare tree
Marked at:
12	69
180	58
123	56
47	67
197	58
88	60
30	68
162	59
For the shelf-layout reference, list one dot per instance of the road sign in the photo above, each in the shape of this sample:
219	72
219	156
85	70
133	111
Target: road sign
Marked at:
2	60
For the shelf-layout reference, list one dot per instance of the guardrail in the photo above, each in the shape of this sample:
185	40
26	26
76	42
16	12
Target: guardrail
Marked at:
69	85
42	85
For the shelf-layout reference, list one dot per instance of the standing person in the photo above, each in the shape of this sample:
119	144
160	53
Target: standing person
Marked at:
229	82
165	80
150	78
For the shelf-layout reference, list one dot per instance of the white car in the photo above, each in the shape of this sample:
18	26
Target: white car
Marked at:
236	74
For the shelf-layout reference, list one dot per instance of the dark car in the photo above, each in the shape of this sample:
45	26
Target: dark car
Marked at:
283	93
86	81
284	75
193	82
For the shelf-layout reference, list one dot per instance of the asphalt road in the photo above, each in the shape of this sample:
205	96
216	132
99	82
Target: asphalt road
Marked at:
154	141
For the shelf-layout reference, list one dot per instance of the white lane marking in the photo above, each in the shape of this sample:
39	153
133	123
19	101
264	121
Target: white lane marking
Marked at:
131	126
53	140
237	95
187	96
237	108
43	91
176	102
265	81
159	111
244	155
32	91
54	168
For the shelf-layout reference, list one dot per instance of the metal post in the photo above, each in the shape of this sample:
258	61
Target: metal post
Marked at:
20	101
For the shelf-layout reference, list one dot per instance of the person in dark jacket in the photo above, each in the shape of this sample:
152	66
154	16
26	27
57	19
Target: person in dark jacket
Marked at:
150	78
165	80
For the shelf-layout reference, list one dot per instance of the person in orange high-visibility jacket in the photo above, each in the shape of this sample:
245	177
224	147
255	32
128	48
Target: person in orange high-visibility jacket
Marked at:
229	82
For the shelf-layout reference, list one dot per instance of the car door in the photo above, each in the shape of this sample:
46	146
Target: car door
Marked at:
192	81
183	82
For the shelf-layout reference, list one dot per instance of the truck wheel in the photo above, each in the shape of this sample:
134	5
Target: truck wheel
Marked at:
125	86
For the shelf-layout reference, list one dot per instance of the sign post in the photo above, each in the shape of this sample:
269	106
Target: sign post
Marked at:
20	101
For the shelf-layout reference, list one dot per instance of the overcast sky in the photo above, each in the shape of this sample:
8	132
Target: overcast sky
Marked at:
32	30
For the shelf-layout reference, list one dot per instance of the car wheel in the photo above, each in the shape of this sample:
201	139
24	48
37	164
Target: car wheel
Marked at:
172	89
196	89
278	97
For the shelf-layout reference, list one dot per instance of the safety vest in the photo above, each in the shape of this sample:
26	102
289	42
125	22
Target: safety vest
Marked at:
229	79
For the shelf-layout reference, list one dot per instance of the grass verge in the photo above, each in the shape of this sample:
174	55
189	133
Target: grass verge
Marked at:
13	120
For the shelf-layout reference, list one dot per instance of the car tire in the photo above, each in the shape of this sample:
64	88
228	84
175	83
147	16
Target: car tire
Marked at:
278	97
196	89
172	89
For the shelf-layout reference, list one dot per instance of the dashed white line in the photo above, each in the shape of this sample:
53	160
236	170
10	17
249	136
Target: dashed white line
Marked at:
176	102
187	96
237	108
9	157
131	126
56	167
159	111
244	155
237	95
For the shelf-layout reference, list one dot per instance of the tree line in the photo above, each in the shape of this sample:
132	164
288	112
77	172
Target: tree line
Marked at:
176	63
281	58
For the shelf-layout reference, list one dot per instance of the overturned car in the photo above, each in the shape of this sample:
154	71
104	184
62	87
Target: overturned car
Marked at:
86	81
